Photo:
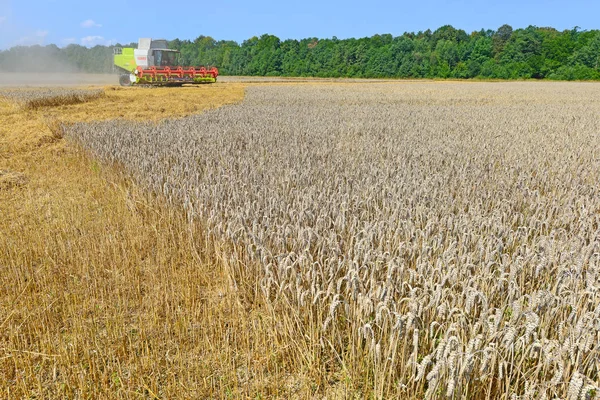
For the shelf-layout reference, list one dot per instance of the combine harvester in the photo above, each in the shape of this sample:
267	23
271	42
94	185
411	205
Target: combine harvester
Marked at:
153	63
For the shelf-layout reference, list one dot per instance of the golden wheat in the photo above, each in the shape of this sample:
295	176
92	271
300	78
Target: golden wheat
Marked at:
423	233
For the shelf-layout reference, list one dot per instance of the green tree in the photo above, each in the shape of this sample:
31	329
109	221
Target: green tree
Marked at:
589	54
499	39
447	52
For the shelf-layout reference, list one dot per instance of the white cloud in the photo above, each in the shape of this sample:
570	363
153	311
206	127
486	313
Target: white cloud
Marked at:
2	19
39	37
90	23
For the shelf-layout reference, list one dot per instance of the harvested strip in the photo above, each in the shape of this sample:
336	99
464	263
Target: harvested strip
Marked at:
32	99
11	179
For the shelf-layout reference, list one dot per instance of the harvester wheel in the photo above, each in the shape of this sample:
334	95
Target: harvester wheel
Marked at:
125	80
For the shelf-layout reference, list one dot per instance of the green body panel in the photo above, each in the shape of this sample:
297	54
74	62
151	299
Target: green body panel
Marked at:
125	60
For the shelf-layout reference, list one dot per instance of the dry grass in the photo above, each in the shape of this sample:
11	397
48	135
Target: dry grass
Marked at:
106	291
37	98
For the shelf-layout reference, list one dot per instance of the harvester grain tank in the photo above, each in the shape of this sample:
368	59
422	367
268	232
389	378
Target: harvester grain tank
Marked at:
153	63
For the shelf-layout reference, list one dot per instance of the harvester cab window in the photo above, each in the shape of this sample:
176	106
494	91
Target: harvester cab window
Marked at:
165	58
169	58
158	58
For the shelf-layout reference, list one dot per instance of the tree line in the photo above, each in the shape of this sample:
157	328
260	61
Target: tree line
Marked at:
506	53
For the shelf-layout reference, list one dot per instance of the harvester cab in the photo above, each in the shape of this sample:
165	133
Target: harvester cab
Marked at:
153	63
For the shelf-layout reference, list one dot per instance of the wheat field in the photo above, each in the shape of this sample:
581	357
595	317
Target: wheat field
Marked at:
331	240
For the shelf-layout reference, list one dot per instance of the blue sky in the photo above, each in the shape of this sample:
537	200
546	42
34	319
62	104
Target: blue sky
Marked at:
27	22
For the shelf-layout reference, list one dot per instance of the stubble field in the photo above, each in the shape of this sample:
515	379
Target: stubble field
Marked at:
339	240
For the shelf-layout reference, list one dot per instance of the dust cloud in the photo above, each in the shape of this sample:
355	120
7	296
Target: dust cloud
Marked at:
35	66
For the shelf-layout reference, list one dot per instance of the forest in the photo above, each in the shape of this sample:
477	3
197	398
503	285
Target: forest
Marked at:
505	53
